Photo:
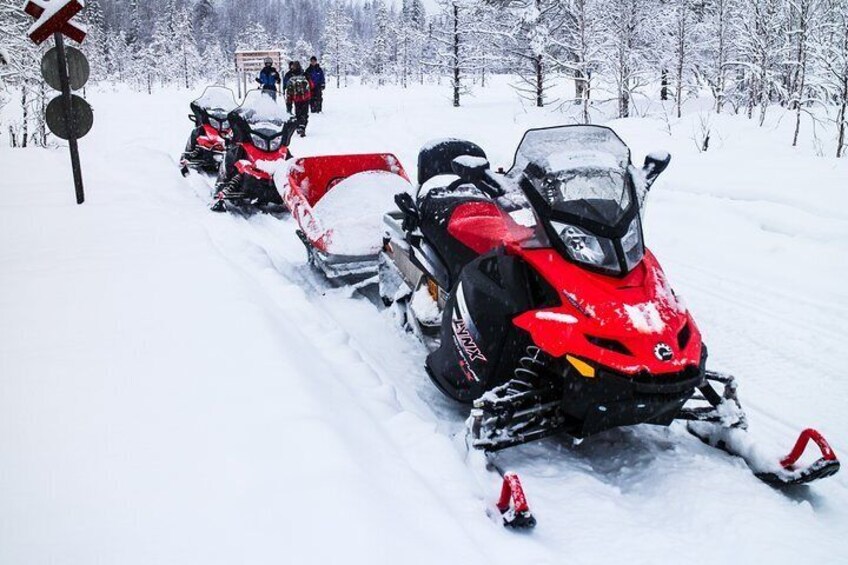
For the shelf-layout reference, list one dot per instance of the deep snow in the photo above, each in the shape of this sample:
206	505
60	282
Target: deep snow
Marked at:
178	387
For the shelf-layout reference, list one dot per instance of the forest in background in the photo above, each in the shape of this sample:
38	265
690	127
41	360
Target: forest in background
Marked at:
746	55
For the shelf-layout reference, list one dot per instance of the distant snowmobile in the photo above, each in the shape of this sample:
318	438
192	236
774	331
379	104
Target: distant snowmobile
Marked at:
544	310
261	133
205	148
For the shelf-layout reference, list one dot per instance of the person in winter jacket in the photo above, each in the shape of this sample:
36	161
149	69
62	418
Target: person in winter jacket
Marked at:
315	75
298	93
269	78
286	78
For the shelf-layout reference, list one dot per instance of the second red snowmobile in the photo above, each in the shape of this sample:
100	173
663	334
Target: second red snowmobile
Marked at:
543	309
261	133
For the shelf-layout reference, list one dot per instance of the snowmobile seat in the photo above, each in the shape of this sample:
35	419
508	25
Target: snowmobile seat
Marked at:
436	158
435	209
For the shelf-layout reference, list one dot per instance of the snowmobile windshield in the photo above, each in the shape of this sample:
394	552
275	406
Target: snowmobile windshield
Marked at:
262	112
564	141
579	181
579	171
217	101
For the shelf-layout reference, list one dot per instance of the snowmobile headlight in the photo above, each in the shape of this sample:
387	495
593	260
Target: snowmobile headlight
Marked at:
225	125
215	124
632	244
275	143
260	142
586	248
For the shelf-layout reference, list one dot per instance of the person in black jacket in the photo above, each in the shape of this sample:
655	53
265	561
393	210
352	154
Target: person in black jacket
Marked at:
299	92
315	76
286	78
269	78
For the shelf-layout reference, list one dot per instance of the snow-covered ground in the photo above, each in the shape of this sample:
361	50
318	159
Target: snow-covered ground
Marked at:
178	387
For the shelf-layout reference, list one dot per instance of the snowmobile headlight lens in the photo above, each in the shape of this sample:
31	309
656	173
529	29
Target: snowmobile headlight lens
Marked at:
260	142
632	244
215	123
225	125
587	248
275	144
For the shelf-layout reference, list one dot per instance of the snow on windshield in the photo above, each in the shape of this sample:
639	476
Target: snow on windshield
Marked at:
593	191
583	170
563	147
261	111
217	100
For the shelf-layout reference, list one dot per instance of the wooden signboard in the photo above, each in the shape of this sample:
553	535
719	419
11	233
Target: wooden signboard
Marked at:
248	65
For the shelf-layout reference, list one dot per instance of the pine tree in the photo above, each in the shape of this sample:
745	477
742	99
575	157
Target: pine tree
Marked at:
337	45
379	59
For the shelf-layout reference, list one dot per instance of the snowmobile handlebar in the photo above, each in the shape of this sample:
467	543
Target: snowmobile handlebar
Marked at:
476	170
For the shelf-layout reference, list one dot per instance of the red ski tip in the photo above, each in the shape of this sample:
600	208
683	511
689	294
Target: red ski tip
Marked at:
513	503
801	445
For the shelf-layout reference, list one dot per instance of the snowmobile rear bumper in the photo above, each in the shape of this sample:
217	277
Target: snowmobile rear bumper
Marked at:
342	269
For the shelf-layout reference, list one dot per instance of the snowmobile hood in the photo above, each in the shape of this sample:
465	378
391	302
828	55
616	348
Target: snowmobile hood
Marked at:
630	325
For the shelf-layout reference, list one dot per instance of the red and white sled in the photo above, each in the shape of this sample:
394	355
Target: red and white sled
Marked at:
338	202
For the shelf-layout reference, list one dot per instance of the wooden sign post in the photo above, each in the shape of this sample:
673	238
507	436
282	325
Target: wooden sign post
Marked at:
250	63
71	119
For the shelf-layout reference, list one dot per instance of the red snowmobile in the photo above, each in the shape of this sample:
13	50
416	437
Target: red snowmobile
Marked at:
205	148
261	133
544	310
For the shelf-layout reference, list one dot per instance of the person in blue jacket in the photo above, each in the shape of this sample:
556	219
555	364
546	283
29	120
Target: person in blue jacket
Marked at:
269	78
315	76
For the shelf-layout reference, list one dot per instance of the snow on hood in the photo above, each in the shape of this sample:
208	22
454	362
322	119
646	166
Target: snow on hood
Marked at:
645	317
557	317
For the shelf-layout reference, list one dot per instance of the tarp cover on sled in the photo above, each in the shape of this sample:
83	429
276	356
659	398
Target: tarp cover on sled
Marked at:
338	202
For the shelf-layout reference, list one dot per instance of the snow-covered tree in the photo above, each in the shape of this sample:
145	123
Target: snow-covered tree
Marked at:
532	34
582	43
716	44
338	50
831	60
629	27
761	49
452	34
379	59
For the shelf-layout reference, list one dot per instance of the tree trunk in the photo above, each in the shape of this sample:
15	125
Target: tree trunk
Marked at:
720	80
25	108
42	117
540	85
456	76
843	117
579	86
664	85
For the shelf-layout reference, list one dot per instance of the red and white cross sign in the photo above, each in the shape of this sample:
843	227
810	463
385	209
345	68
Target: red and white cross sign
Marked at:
55	16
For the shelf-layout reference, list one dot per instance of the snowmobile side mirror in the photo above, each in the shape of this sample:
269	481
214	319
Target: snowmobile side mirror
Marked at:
470	169
193	118
655	163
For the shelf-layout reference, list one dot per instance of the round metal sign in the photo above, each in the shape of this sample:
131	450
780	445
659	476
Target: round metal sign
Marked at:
82	117
78	69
